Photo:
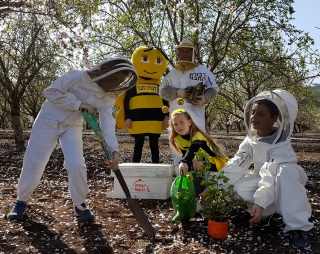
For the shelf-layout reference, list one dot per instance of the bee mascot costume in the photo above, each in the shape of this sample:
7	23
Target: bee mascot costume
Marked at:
140	109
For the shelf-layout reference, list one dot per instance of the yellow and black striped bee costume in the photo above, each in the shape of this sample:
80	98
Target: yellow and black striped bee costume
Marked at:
145	111
142	103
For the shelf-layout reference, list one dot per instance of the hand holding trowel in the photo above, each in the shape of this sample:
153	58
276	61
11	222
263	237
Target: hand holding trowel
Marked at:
133	204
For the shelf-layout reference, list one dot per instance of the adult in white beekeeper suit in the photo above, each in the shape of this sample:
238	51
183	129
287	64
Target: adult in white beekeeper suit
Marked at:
60	120
276	182
189	85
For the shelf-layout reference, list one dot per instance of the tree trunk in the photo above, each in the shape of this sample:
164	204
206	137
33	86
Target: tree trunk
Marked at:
17	126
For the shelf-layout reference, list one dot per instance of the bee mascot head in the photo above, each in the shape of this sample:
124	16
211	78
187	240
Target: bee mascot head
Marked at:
150	65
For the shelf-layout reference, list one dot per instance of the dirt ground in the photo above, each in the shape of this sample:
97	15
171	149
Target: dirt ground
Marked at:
51	227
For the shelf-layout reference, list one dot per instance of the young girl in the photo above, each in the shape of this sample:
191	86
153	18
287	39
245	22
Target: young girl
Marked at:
199	151
276	182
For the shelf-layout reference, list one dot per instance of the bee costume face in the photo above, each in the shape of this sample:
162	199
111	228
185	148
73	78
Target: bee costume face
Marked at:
149	63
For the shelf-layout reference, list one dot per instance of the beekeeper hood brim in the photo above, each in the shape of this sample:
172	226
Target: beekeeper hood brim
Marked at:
288	109
112	66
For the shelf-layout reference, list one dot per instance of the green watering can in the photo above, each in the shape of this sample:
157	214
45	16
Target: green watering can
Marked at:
183	198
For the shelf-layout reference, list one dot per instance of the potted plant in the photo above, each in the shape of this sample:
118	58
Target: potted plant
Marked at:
218	201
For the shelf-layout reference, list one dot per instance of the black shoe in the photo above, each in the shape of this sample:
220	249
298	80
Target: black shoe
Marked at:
240	217
18	211
83	213
299	239
273	221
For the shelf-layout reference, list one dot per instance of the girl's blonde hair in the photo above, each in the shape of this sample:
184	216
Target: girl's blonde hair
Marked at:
217	149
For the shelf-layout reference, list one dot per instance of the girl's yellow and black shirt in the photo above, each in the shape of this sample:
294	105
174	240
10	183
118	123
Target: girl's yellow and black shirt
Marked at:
189	146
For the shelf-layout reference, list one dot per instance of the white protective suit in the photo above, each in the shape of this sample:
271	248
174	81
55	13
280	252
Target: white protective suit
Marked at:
183	79
276	182
60	119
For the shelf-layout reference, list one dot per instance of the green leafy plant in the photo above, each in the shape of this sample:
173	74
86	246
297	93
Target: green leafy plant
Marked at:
219	198
201	155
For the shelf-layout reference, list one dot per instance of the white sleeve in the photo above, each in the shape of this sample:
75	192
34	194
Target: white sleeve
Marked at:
211	81
108	127
167	91
238	166
58	92
169	86
265	194
166	81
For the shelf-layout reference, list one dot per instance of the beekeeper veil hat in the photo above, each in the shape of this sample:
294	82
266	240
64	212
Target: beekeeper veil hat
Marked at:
112	67
287	106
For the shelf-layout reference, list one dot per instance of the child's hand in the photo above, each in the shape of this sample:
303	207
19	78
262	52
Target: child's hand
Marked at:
128	123
197	165
183	168
114	163
256	214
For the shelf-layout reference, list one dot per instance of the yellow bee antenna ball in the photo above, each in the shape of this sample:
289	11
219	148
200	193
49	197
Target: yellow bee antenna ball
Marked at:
165	109
180	101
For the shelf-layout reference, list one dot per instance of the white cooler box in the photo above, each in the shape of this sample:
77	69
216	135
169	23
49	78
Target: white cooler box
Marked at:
144	180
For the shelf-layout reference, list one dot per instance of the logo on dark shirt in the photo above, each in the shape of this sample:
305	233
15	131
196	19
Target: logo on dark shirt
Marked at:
198	76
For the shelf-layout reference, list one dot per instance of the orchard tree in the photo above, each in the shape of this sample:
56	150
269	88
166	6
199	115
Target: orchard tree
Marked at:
4	110
25	53
240	41
7	7
33	97
250	45
34	36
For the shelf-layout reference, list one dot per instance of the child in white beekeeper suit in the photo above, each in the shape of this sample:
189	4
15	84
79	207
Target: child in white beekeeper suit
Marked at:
60	120
276	182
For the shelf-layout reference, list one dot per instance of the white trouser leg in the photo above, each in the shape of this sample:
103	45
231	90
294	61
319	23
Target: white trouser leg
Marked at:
72	147
293	202
246	187
41	143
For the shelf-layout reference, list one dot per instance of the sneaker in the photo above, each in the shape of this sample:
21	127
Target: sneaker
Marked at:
299	239
83	213
240	217
18	211
199	207
273	221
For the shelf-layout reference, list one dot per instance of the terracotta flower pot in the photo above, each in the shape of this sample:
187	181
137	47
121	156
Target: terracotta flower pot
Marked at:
218	230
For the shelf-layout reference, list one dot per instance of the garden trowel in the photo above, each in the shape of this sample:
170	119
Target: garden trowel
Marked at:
133	204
